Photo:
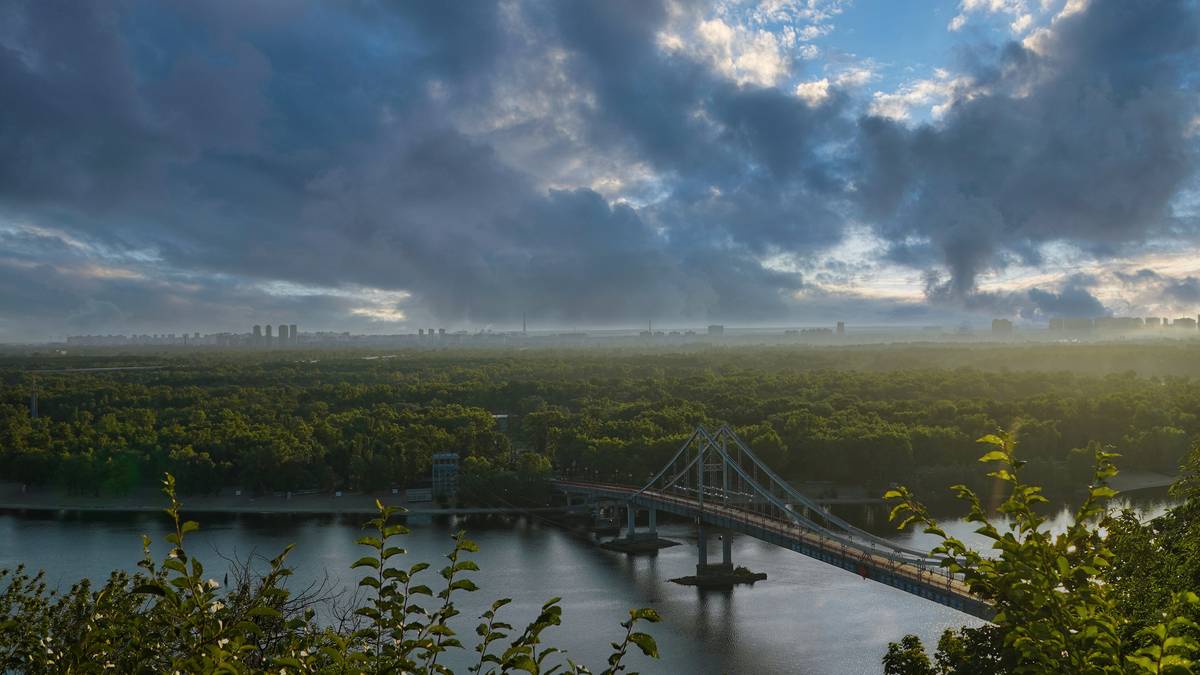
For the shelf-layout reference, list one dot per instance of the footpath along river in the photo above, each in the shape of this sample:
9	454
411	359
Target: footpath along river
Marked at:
807	617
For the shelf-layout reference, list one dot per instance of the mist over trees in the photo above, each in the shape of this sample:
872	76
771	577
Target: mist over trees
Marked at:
341	422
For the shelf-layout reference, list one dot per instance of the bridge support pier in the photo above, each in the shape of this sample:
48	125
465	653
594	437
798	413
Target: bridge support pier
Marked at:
632	542
717	575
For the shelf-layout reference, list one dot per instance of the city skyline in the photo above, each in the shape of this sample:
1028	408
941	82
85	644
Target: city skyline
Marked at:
381	169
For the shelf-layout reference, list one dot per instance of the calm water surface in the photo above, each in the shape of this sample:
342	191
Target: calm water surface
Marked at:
807	617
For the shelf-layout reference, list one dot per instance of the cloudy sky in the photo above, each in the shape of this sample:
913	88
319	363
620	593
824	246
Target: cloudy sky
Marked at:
383	166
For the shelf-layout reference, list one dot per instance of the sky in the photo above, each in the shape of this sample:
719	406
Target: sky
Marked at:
376	167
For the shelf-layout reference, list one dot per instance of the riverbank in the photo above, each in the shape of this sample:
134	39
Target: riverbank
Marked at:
1127	481
13	498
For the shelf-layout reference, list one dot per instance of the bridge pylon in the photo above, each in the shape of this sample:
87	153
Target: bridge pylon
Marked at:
716	480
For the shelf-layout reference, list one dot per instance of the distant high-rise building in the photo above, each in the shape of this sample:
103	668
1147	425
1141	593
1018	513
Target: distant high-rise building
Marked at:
716	329
841	328
1076	324
1002	326
445	474
420	332
292	333
257	332
283	335
441	332
1118	323
267	340
1185	322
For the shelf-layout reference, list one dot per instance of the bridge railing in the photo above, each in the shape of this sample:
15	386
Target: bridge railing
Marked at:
874	557
866	553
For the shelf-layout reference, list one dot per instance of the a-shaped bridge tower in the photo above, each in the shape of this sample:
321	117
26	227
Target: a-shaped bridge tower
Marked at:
717	480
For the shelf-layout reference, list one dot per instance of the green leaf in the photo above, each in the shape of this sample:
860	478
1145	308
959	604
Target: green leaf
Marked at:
991	439
366	561
1064	567
395	530
646	643
149	589
466	566
248	627
263	610
522	662
995	456
463	585
645	614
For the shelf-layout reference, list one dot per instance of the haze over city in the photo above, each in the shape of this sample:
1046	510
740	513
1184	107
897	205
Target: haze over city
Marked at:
379	167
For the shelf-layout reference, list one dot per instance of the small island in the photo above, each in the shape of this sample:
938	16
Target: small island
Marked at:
640	544
720	576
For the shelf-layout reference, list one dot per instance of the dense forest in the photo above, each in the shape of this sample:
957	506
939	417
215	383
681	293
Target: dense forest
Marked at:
1108	594
862	416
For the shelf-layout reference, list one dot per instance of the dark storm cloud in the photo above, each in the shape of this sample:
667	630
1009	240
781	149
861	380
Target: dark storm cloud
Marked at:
188	154
1181	292
235	151
750	169
1071	301
1086	143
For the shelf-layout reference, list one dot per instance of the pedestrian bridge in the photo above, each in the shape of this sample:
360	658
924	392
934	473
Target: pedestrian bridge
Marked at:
717	481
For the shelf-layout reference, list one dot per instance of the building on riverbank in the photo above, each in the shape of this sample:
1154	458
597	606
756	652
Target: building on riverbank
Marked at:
445	474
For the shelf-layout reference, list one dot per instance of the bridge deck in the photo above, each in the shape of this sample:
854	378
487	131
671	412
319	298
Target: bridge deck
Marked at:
859	557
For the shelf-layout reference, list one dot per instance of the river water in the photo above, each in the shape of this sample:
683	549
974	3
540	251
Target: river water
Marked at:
807	617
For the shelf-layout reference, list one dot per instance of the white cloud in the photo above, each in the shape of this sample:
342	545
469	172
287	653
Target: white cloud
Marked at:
813	92
744	55
812	32
936	94
1040	39
388	314
1020	10
858	75
750	41
376	304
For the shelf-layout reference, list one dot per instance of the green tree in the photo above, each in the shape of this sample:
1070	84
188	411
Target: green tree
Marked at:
1054	610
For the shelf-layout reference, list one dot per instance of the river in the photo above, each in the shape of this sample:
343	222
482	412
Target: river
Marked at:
807	617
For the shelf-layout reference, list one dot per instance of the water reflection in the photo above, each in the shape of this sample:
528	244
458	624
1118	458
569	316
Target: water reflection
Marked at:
806	617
